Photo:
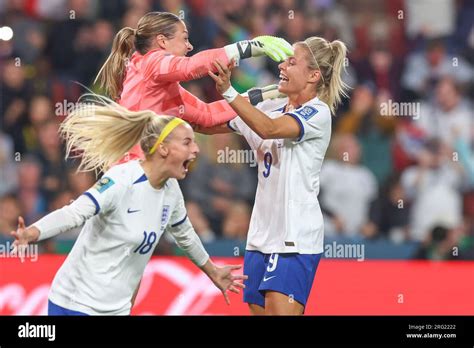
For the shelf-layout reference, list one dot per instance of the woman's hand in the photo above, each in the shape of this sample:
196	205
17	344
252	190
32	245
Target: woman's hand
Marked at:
223	79
23	236
223	278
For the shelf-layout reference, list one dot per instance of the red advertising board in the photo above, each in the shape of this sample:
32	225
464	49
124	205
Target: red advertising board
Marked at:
174	286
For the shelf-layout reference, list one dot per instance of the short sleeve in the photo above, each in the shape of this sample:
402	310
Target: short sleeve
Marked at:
107	192
314	121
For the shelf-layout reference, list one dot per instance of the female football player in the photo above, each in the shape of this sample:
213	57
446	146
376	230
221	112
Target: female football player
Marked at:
290	135
146	64
125	213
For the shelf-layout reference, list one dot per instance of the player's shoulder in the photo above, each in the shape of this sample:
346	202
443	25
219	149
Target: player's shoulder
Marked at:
126	173
152	61
158	56
312	108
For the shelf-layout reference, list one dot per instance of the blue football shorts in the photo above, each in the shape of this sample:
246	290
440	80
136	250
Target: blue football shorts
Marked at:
291	274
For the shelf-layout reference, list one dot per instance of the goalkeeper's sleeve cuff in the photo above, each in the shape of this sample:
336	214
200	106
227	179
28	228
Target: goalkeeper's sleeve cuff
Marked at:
232	52
241	49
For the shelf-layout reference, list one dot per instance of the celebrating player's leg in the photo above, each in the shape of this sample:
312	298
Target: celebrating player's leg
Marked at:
290	136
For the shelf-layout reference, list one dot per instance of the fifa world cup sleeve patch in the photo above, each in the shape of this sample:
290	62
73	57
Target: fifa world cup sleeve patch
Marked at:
103	184
306	112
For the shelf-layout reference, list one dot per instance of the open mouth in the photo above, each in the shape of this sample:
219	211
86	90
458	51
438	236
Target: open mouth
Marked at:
187	163
283	78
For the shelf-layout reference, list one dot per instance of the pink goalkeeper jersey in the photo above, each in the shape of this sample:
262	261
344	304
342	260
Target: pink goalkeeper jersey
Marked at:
152	83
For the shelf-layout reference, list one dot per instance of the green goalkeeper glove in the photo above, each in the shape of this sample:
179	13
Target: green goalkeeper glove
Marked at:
257	95
274	47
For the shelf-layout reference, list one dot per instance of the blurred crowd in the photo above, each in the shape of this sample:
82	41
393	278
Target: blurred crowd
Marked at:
400	166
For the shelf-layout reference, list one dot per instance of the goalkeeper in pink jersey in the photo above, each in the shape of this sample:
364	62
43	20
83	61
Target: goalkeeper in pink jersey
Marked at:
146	64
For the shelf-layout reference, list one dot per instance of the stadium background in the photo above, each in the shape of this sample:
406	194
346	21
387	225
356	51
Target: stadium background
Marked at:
400	185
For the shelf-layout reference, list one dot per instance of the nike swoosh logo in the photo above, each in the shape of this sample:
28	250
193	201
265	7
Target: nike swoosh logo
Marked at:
131	211
265	279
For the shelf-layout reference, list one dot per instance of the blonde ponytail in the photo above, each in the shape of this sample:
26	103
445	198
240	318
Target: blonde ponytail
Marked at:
328	58
112	73
101	131
337	87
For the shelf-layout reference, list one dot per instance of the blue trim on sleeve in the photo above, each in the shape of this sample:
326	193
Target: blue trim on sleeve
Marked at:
97	206
300	123
180	222
141	179
232	128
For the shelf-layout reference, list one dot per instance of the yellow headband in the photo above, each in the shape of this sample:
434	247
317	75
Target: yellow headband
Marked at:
175	122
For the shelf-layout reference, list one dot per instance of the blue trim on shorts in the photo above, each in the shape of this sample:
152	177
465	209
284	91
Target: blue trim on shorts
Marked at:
54	310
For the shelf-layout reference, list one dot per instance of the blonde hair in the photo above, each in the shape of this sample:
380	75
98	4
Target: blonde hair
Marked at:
328	58
112	73
101	131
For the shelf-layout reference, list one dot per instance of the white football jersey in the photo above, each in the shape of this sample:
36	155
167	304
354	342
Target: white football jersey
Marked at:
104	268
286	216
